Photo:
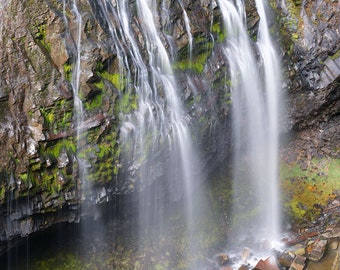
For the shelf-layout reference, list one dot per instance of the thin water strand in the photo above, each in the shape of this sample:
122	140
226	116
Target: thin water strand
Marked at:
188	30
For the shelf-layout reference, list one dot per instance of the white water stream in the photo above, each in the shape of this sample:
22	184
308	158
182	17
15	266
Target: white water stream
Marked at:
254	86
155	136
188	30
78	116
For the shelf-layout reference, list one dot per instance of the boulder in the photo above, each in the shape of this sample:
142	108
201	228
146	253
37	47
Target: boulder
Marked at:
245	254
298	263
222	259
267	264
286	258
315	250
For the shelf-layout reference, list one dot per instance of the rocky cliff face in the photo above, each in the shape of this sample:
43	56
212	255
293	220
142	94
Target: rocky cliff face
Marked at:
310	35
41	149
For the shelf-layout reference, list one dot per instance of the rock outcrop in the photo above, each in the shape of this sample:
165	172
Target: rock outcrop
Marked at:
310	35
42	148
46	147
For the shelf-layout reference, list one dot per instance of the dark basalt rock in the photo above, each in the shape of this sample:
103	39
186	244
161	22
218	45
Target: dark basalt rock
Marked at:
309	32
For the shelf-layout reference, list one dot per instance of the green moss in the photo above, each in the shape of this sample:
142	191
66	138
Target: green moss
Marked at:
126	103
94	103
68	71
66	120
48	115
295	36
46	179
218	31
103	153
2	193
40	36
197	64
49	181
245	216
30	114
100	85
294	7
335	56
55	148
61	262
35	166
302	189
114	79
58	117
24	178
116	170
290	24
99	66
202	47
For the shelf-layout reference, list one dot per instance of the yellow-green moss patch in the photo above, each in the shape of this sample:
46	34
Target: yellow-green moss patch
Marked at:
304	190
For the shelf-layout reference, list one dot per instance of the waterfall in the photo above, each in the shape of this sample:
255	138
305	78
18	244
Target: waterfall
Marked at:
271	86
78	106
188	29
78	116
155	137
254	87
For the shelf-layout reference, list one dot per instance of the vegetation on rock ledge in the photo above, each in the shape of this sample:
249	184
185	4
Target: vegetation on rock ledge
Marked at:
305	192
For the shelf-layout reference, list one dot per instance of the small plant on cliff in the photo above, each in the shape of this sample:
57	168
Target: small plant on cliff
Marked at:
40	36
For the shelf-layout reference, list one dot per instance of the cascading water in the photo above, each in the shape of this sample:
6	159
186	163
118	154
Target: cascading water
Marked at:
154	130
78	106
188	29
155	135
271	86
78	116
254	89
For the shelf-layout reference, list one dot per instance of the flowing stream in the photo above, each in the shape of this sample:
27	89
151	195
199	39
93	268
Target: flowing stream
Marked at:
254	86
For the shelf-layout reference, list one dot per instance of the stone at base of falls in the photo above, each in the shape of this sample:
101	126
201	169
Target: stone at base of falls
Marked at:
244	267
334	245
317	252
316	249
286	258
267	264
245	255
299	263
229	268
336	232
222	259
